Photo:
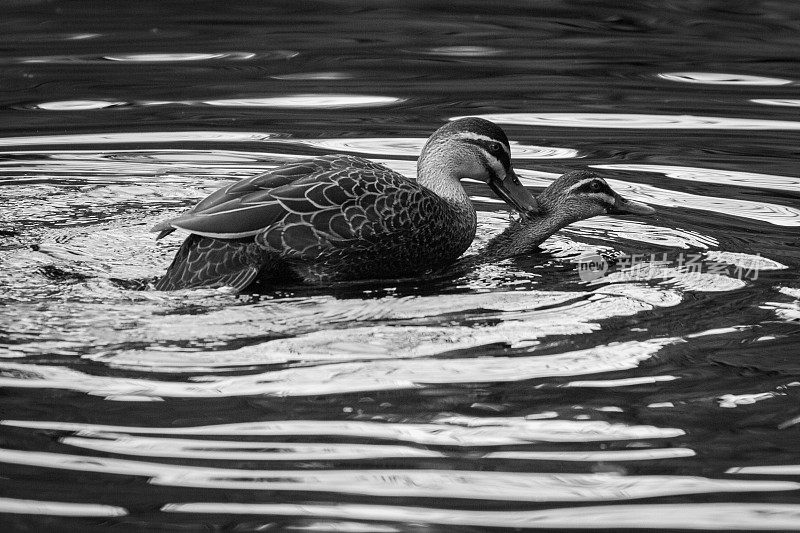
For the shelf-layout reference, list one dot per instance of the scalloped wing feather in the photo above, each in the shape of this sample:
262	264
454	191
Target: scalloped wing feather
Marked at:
244	208
206	262
389	217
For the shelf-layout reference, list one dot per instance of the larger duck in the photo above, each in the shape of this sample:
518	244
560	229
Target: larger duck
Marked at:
340	217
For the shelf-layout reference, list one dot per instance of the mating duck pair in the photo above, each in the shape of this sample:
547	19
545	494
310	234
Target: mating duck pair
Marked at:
340	217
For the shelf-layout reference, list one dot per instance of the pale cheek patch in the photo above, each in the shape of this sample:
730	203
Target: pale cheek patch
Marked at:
474	169
602	198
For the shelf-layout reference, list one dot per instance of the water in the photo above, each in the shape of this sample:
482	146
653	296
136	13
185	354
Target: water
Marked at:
661	394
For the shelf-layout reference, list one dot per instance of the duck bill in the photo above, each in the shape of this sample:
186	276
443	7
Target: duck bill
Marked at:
623	206
511	190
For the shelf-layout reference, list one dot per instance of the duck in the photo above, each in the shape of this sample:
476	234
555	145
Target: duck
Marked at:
574	196
341	217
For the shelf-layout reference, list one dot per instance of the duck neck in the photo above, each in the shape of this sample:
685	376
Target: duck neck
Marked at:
522	236
435	173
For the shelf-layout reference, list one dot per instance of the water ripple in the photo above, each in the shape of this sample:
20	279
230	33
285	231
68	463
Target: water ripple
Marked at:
786	311
633	121
464	51
456	431
676	277
290	451
454	484
766	470
192	56
744	261
777	101
621	230
649	454
296	101
173	57
737	516
347	377
78	105
331	75
536	317
49	508
716	78
305	101
778	215
714	176
412	146
149	137
240	451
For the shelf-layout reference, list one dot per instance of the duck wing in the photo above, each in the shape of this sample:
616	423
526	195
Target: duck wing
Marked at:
348	210
246	207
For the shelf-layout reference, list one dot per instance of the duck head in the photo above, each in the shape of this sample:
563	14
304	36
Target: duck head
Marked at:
472	148
581	194
575	196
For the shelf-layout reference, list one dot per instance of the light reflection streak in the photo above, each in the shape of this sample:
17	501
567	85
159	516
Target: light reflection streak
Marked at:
766	470
737	516
634	121
444	431
714	176
151	137
650	454
50	508
624	382
339	378
777	101
455	484
776	214
304	101
240	451
527	316
718	78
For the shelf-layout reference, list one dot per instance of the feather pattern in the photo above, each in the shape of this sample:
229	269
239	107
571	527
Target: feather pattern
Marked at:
208	262
330	218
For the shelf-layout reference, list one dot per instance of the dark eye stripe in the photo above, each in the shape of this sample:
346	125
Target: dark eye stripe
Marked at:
590	188
492	174
501	156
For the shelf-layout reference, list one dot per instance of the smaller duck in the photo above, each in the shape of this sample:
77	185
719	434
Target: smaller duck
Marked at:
343	218
574	196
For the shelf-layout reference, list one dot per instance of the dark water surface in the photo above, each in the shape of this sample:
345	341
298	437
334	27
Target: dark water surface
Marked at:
661	395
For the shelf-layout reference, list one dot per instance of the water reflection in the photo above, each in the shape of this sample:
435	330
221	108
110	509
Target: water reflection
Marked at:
638	121
167	57
347	377
180	57
716	78
774	101
455	484
307	101
709	516
455	431
412	146
464	51
50	508
713	176
77	105
299	101
651	397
